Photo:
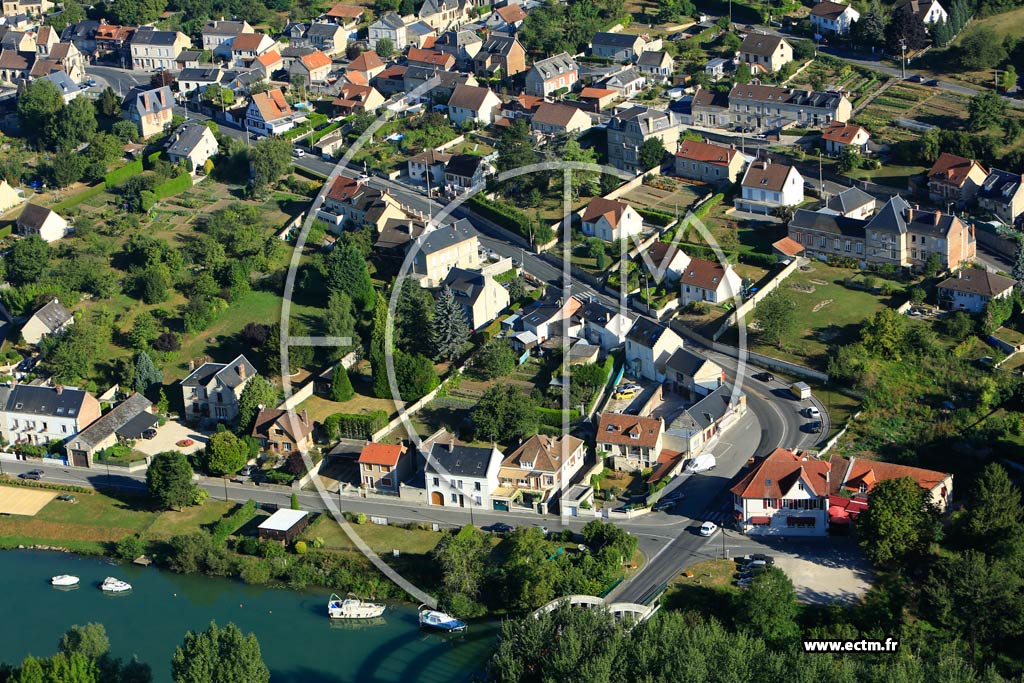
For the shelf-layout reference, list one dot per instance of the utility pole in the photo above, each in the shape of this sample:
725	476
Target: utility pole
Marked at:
903	60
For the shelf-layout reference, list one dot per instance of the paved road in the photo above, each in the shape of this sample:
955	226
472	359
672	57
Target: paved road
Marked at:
119	79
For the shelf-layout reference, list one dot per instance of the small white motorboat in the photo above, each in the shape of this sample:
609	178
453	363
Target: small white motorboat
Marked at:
353	608
432	618
64	580
112	585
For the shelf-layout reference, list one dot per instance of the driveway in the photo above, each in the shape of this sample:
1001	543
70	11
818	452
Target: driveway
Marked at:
823	570
168	436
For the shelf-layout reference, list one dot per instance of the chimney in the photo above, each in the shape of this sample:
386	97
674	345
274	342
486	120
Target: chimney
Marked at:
451	444
191	365
910	214
305	420
938	216
60	389
241	370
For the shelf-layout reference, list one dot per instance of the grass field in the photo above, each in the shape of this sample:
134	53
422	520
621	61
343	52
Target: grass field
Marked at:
708	590
24	501
827	313
381	538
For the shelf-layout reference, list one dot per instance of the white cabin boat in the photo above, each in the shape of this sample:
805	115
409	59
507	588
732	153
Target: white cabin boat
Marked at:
112	585
64	580
432	618
353	608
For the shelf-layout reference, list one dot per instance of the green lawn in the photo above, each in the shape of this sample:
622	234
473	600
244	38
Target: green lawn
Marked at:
86	526
827	313
173	522
381	538
708	588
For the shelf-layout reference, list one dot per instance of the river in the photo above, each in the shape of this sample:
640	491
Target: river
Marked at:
299	642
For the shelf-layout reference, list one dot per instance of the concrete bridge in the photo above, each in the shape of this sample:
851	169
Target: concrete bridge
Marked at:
621	610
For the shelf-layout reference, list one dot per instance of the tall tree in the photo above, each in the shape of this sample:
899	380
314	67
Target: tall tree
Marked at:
774	318
225	454
905	30
652	152
883	335
39	107
462	559
994	516
768	607
257	392
136	12
219	655
90	641
900	522
108	104
341	385
27	260
345	271
414	312
869	32
269	159
385	48
504	412
985	109
76	123
414	374
379	350
449	331
146	374
169	480
340	320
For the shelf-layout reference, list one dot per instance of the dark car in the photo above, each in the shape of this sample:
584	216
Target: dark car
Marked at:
149	433
814	427
765	377
499	528
934	82
665	505
34	475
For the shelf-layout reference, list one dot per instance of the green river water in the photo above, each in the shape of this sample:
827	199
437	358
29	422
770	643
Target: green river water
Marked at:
300	644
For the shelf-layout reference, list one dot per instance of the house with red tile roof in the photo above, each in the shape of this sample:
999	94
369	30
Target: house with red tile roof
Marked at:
367	63
860	476
268	62
631	441
246	47
955	179
610	220
383	466
785	494
597	99
709	163
508	18
539	470
839	135
353	99
708	281
269	113
559	119
430	58
314	67
347	16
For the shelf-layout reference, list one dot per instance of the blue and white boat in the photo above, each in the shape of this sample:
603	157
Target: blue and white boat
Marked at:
431	618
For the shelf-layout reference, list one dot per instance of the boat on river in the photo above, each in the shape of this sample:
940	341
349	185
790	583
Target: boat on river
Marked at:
64	580
442	621
353	608
112	585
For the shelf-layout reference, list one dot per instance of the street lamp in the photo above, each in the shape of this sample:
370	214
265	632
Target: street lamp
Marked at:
903	59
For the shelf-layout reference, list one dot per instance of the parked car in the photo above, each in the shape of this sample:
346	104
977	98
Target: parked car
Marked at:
812	412
499	528
758	557
813	427
765	377
708	528
149	433
90	82
665	504
249	470
626	392
298	153
756	565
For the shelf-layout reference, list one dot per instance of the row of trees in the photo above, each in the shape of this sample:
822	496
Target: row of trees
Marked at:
216	655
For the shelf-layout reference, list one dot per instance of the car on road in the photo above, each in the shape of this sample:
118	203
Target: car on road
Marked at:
708	528
665	505
516	263
813	427
34	475
91	82
298	153
757	557
499	528
933	82
812	411
764	377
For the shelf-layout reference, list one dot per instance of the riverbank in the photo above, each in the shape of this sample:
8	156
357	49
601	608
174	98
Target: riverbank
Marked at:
299	643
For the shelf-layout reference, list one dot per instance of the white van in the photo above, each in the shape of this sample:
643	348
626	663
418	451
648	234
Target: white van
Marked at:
702	463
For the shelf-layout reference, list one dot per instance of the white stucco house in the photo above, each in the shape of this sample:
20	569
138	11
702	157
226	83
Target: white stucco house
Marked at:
611	220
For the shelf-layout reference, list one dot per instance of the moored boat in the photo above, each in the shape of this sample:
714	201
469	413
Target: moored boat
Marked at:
353	608
442	621
112	585
64	580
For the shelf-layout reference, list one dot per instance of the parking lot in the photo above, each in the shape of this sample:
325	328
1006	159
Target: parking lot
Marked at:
629	402
823	570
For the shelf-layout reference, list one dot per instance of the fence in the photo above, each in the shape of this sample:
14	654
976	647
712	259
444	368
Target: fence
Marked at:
747	306
835	439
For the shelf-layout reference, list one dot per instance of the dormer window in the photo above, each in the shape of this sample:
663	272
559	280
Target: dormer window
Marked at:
634	435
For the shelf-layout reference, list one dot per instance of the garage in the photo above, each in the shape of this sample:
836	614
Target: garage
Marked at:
437	498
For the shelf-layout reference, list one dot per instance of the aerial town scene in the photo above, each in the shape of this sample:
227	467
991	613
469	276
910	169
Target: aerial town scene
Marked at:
597	341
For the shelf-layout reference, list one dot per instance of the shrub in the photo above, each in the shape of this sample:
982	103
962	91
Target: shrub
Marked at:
300	547
352	426
553	417
279	477
706	207
511	218
231	523
130	547
659	218
255	572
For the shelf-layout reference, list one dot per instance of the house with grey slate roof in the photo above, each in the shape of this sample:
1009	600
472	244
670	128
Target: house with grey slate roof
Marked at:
212	390
129	419
461	476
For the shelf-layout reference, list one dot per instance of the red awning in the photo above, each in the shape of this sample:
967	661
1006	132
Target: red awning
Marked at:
760	520
838	511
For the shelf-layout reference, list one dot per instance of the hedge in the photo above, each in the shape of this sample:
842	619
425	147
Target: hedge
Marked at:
8	480
554	417
706	207
6	231
659	218
317	135
758	259
511	218
152	158
166	189
352	426
77	199
120	175
233	522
